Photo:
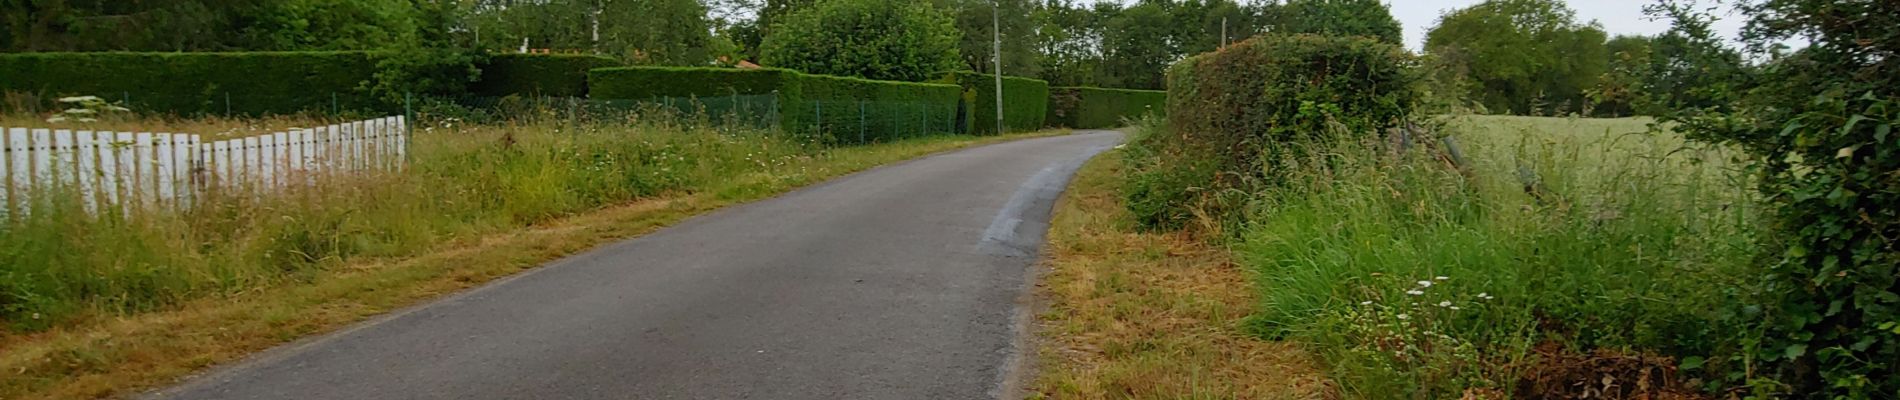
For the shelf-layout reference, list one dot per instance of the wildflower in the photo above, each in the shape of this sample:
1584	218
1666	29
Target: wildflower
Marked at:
1442	278
1424	284
78	99
1366	303
1444	304
1486	296
1414	292
1454	308
1403	316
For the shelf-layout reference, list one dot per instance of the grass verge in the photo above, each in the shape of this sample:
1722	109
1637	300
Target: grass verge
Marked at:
105	349
1136	315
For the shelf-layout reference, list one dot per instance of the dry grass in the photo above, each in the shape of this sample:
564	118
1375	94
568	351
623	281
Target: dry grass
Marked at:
1134	315
118	356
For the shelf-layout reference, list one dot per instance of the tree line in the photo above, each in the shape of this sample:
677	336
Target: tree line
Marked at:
1530	57
1065	42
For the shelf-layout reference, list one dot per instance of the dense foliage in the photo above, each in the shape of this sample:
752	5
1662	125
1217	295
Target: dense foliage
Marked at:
1236	117
196	83
1025	101
1097	108
558	75
1339	18
873	39
1526	57
1819	122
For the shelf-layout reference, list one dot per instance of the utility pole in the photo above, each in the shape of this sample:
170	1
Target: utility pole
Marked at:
996	50
1223	32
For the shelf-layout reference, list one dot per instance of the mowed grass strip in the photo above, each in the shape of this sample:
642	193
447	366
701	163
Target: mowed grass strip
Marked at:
104	355
1133	315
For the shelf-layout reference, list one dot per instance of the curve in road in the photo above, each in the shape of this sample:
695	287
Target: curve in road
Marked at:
900	282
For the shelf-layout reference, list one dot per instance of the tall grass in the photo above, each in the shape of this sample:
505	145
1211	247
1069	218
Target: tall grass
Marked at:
1417	279
60	262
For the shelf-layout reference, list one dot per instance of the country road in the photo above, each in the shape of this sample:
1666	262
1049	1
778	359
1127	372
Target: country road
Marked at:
901	282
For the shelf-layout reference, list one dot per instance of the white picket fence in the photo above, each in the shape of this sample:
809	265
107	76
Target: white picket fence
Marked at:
126	169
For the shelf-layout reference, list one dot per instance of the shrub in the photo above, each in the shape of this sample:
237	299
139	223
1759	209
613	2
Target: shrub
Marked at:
1094	108
198	83
1821	128
1246	108
555	75
1025	101
875	39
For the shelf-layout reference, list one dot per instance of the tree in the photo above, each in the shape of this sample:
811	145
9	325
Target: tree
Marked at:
1525	56
875	39
651	32
1621	90
1020	57
1137	47
1338	18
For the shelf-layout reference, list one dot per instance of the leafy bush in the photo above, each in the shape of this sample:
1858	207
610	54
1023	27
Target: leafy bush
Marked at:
1820	123
876	39
1248	108
555	75
1025	101
1093	108
198	83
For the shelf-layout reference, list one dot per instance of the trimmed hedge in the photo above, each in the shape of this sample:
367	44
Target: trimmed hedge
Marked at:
1236	117
651	82
1025	101
1096	108
553	75
194	83
838	109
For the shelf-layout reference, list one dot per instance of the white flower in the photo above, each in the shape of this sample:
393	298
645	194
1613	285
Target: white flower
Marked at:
78	99
1486	296
1424	284
1444	304
1366	303
1403	316
1442	278
1414	292
1454	308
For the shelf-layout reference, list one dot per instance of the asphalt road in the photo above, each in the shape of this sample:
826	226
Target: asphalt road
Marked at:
902	282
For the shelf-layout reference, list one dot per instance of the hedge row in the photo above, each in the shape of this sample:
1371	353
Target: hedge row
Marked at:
193	83
838	109
1025	101
553	75
1095	108
1237	115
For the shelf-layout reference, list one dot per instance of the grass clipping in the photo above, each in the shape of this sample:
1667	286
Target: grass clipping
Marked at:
1133	315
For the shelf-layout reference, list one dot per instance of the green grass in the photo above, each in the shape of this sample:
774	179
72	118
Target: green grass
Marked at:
1633	243
60	262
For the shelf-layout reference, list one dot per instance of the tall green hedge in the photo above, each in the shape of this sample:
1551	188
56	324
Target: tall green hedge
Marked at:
837	109
193	83
555	75
1236	115
1095	108
1025	101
